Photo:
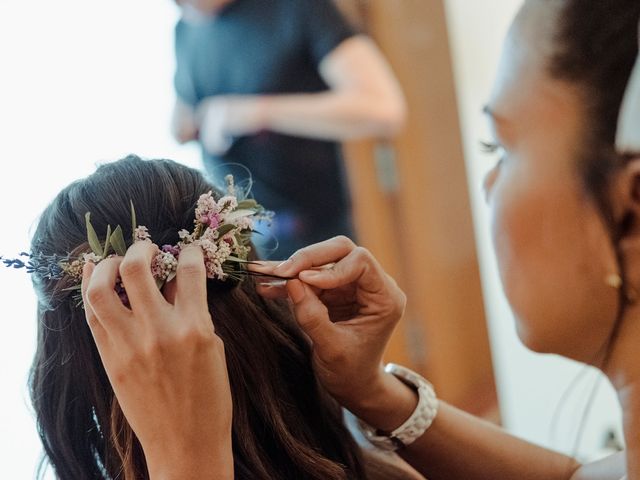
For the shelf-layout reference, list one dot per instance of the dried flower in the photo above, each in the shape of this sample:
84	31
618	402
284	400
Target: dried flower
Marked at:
222	229
141	234
163	265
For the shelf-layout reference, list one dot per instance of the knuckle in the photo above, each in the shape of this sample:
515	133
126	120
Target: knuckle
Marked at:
153	347
361	254
343	240
401	304
191	269
301	255
97	296
132	268
195	336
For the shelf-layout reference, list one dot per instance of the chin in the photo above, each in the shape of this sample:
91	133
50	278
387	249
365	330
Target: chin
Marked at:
534	339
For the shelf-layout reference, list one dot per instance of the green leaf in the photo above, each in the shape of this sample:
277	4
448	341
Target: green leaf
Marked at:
117	241
92	236
134	221
224	229
248	204
107	240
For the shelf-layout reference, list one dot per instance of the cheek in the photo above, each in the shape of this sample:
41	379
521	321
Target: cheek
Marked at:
554	254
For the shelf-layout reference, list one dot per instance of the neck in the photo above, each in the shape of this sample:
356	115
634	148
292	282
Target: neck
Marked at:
623	371
629	397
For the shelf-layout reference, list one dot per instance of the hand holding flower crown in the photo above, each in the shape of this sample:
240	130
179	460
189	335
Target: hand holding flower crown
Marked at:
164	361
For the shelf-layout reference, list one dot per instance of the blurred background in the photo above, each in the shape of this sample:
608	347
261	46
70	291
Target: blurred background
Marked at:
85	82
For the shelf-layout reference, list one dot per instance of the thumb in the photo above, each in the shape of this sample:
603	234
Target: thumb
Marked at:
312	315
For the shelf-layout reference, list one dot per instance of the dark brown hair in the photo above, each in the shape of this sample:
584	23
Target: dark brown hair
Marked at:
596	45
285	426
595	48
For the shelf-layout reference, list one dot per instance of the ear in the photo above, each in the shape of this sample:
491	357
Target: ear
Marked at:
625	203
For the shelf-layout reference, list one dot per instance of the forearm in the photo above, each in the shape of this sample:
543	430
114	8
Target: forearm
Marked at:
333	115
460	446
183	124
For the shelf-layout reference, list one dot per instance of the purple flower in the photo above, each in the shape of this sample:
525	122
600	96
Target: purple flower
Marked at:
172	249
122	294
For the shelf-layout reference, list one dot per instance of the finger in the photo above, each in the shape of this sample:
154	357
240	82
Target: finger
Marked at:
135	270
359	266
97	330
191	279
311	313
316	255
101	300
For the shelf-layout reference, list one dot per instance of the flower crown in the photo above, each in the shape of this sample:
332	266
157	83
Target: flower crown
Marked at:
222	229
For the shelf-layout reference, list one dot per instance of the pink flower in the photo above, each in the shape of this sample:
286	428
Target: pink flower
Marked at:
172	249
212	220
206	207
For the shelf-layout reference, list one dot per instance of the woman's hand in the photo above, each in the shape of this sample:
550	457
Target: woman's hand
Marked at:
348	306
165	362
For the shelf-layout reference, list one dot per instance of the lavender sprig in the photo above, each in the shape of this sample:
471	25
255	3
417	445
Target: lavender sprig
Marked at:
48	266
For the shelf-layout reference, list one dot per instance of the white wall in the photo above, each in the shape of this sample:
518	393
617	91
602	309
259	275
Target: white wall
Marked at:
81	81
530	386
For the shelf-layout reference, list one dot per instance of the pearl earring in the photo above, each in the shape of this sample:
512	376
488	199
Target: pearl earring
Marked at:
613	280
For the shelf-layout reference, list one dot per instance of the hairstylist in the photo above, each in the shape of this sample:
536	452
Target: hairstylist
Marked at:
565	202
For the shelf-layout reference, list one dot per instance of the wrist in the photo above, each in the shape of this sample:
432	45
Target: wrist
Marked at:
188	464
201	468
388	404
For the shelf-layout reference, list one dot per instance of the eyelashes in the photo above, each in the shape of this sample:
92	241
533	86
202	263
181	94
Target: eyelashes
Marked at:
489	147
493	148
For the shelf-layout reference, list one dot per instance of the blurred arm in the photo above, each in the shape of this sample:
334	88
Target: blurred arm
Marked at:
183	123
364	99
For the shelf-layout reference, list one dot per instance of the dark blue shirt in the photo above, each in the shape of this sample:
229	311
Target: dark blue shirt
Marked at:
273	47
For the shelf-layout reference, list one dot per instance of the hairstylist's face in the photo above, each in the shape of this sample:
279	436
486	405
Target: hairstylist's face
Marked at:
552	246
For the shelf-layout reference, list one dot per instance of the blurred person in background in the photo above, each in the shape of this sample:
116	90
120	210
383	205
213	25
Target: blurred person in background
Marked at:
275	87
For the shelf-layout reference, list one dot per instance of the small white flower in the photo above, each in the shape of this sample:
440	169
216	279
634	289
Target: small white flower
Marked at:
91	257
141	234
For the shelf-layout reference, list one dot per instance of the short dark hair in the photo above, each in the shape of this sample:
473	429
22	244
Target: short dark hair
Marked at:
595	48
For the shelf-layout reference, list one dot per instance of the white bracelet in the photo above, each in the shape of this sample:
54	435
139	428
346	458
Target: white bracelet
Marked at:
419	421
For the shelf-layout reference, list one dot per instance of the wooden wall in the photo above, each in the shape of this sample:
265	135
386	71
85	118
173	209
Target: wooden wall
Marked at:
412	208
